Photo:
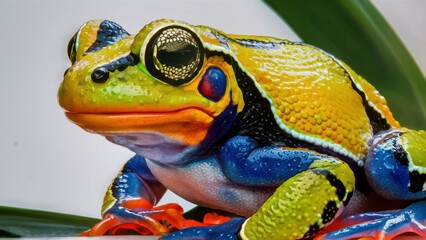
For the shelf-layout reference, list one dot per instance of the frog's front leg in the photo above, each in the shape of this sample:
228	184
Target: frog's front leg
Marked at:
128	204
396	170
313	188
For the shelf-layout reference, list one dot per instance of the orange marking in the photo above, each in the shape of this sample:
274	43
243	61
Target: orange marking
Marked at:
382	235
188	126
137	203
214	219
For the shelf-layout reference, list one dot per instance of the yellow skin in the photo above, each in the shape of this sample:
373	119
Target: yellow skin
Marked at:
318	102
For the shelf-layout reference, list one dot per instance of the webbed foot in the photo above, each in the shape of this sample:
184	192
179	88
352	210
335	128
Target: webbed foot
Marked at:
225	231
140	217
383	225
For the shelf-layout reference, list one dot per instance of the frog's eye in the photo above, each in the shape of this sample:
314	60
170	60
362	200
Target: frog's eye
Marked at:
174	55
71	49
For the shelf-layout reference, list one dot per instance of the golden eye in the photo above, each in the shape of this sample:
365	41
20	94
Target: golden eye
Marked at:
174	55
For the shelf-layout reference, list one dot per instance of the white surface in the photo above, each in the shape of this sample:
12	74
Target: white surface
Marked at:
48	163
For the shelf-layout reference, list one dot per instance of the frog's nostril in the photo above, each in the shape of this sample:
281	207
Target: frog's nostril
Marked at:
100	75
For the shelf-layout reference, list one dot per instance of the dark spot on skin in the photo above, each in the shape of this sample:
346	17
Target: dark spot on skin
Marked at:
340	188
313	229
417	181
335	182
329	212
399	153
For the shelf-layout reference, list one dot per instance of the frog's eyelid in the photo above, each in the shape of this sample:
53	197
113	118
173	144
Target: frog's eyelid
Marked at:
73	45
85	41
77	37
71	50
108	33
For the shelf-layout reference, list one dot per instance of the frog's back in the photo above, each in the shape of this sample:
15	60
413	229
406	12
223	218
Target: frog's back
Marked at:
314	97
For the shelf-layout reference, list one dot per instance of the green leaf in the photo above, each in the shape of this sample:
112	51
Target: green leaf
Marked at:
355	32
18	222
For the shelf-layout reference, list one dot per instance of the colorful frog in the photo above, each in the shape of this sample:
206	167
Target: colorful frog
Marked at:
283	137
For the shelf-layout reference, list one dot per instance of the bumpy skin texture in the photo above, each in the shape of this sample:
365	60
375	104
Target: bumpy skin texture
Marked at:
297	78
279	133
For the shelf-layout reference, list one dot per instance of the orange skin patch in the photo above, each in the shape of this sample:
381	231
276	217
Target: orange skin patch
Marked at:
172	124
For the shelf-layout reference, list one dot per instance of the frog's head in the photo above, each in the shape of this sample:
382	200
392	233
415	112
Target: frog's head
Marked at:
161	92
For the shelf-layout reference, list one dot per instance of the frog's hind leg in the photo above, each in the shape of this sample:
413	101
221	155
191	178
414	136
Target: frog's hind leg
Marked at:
304	204
383	225
396	170
396	164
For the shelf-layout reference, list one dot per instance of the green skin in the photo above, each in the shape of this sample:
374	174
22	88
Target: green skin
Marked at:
295	217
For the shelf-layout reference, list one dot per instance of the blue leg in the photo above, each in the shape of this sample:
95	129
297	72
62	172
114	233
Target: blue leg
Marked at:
245	162
384	225
396	169
128	204
396	165
134	181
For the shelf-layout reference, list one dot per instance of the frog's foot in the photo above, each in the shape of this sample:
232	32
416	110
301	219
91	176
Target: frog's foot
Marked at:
140	217
383	225
396	165
228	230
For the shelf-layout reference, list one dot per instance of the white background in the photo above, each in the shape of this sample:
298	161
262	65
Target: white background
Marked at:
48	163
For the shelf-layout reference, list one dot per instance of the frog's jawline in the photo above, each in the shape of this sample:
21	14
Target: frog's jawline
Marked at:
107	123
188	127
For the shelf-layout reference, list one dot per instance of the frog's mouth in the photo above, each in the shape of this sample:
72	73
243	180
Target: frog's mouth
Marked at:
188	126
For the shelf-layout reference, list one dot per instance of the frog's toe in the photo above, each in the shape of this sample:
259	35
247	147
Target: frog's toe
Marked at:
144	221
382	226
228	230
112	224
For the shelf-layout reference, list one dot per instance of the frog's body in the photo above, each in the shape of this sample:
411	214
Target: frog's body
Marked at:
256	126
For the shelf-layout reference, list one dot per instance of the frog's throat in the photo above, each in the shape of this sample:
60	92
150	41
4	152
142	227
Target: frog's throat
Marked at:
188	126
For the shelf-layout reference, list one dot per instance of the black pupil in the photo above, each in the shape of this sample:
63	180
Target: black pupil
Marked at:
177	54
174	55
